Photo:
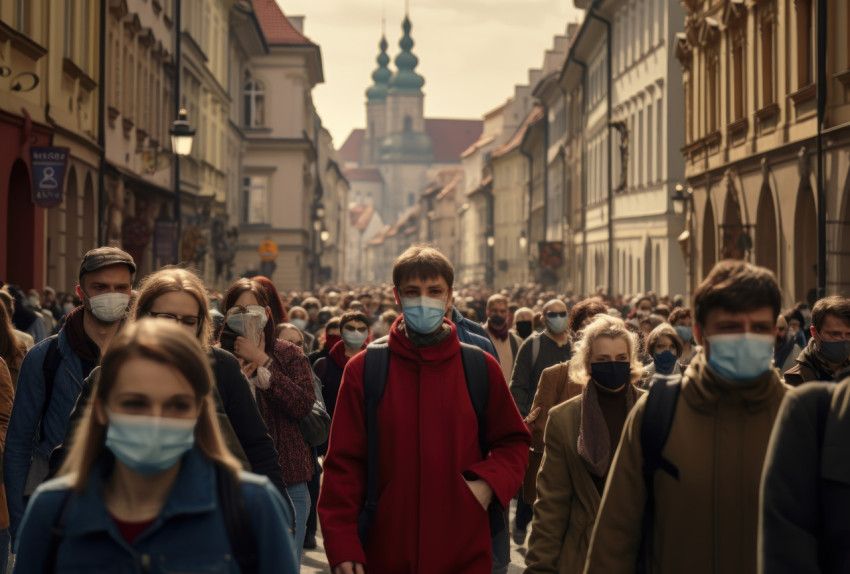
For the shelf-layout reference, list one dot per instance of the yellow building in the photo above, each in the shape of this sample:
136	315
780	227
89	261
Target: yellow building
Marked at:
750	126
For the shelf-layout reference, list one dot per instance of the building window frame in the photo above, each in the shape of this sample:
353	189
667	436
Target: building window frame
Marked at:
254	200
254	102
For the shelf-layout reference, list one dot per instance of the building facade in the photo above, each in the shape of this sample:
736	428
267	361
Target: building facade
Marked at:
750	123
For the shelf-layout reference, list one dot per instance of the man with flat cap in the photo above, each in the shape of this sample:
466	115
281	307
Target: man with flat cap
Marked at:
53	372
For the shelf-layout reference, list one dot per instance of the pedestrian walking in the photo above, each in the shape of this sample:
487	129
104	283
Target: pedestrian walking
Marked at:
665	347
827	354
7	397
12	349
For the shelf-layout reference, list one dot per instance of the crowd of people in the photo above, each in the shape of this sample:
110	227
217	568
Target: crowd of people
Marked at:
148	424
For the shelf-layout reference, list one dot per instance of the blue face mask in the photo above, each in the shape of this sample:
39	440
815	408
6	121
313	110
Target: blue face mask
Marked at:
556	324
665	362
423	314
354	339
740	356
149	445
299	324
685	333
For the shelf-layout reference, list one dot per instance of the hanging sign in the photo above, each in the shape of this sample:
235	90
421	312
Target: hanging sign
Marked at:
267	250
49	165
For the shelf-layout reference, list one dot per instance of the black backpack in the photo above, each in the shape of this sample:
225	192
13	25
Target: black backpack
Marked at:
240	532
375	372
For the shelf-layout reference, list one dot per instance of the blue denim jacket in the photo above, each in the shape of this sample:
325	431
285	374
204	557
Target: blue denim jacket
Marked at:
189	535
26	415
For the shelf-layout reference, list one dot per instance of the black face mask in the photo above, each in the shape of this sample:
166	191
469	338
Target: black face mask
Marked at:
524	328
497	320
611	374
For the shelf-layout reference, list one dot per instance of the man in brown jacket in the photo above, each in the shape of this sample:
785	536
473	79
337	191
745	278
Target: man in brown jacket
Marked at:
827	356
706	519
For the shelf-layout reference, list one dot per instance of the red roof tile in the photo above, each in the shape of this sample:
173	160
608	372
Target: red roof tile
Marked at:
360	216
451	137
277	29
350	150
535	114
363	174
449	190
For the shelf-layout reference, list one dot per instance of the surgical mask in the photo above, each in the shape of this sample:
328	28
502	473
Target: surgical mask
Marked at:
611	374
556	324
299	323
740	356
685	333
835	352
524	328
354	339
248	321
149	445
423	314
68	307
497	320
109	307
665	362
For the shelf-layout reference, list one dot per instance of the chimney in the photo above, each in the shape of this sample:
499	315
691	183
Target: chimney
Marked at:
297	23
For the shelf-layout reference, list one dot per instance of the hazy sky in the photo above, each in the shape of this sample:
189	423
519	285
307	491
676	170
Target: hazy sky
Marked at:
471	52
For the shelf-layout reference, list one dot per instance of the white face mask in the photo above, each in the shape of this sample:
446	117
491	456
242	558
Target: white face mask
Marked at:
109	307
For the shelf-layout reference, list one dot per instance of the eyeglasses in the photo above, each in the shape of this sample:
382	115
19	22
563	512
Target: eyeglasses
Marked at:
188	321
553	314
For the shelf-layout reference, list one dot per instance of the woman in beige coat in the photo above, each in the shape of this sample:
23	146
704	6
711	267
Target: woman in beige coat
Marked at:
580	440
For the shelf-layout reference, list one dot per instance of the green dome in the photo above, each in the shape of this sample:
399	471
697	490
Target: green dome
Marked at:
381	76
406	79
409	147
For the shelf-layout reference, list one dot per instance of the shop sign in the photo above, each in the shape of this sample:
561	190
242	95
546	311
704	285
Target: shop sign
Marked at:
49	165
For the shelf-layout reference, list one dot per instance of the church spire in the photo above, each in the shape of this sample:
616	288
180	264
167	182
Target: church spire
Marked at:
381	76
406	79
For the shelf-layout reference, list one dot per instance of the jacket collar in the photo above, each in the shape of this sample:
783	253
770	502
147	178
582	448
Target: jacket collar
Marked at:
438	353
338	356
194	492
703	388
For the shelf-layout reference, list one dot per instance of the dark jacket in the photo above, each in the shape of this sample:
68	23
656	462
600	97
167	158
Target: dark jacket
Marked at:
805	493
472	333
189	535
236	402
810	367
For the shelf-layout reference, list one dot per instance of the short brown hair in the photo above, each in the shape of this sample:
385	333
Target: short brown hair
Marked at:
835	305
663	330
679	314
350	316
496	298
584	310
422	261
737	286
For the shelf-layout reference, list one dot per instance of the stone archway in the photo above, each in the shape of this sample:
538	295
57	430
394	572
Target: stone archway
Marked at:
709	240
20	247
805	245
767	238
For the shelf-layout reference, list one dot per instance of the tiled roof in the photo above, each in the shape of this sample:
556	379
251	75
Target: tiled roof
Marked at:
361	216
277	28
363	174
449	190
482	141
488	179
379	238
451	137
350	150
535	114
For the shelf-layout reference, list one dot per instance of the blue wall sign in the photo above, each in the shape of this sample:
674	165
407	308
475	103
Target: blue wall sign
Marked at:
49	165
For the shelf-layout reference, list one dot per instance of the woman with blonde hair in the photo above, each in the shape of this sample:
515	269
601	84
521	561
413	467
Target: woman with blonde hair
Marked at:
581	437
12	349
178	296
149	484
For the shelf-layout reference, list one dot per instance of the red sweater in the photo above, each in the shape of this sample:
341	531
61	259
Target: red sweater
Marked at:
427	518
288	399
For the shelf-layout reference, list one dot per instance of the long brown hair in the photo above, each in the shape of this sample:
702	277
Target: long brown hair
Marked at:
279	314
166	343
170	280
12	349
241	286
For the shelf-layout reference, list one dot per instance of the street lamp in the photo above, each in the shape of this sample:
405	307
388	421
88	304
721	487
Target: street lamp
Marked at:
680	198
491	241
181	144
523	240
325	235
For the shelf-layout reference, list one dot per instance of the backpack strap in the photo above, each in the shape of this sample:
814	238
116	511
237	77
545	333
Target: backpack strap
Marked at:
237	522
376	366
478	384
57	532
49	368
535	349
655	428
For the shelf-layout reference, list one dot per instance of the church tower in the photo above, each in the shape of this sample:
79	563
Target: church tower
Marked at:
376	107
407	139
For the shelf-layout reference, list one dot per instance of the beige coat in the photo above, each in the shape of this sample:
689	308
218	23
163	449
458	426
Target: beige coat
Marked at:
707	520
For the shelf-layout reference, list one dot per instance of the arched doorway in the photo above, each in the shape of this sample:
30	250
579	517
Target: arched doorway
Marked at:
735	241
20	247
767	239
72	233
805	245
709	240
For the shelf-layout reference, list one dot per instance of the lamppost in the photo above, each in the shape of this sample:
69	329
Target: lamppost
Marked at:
318	225
490	271
682	199
181	144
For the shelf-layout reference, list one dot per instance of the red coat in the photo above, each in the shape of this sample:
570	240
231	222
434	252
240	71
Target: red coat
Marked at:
427	518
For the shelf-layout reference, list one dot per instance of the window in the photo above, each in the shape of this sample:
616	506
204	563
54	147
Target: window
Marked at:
87	15
768	21
738	62
69	30
661	139
641	179
255	200
650	150
805	42
23	16
713	96
255	102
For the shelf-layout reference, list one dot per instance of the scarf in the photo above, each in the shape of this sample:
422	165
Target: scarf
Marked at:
500	333
594	444
82	345
428	340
